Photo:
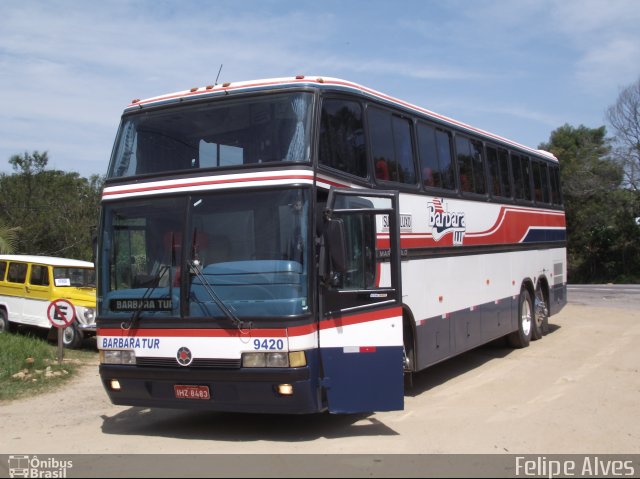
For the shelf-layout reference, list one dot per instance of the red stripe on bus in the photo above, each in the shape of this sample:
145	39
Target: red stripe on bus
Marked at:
208	332
237	333
209	182
503	230
361	318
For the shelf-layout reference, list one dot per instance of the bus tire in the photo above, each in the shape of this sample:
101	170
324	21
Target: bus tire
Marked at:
408	353
72	337
540	323
522	337
408	348
6	326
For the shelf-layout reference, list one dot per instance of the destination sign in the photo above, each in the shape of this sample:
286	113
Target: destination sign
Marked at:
141	304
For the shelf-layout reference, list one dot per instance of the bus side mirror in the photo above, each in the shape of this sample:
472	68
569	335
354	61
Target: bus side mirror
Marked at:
336	244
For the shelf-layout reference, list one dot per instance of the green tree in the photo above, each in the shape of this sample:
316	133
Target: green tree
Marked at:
57	212
601	237
8	238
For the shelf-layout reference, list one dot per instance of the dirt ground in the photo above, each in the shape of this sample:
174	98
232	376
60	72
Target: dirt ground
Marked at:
575	391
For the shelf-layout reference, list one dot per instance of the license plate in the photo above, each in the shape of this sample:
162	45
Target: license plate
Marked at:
191	392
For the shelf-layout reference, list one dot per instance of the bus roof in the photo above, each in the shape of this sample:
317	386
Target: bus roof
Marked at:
49	260
325	83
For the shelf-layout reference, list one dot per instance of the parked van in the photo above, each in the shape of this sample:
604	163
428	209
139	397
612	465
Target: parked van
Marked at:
28	284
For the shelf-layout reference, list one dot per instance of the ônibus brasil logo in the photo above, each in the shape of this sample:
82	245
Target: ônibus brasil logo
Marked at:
442	221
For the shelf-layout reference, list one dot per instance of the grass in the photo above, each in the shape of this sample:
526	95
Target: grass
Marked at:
29	364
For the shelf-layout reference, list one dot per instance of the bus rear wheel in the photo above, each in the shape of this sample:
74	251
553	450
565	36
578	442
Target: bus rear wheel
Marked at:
540	315
522	337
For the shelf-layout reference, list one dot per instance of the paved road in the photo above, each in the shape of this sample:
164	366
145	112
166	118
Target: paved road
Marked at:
622	296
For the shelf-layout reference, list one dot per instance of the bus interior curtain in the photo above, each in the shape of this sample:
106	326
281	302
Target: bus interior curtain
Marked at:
297	145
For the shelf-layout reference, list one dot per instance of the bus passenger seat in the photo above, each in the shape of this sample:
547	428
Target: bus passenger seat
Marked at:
219	250
427	177
382	170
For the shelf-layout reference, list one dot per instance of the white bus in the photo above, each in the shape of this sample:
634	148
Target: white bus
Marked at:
300	244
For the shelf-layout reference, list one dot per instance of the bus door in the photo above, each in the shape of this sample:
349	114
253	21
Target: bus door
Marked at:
360	325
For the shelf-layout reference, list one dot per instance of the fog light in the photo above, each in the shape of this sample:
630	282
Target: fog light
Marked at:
285	389
114	384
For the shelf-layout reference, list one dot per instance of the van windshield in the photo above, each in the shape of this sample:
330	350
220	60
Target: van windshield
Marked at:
74	277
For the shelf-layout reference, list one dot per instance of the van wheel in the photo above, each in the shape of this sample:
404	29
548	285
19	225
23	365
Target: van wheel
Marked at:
521	337
6	326
72	337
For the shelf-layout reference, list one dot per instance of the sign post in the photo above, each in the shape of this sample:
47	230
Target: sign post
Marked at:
61	313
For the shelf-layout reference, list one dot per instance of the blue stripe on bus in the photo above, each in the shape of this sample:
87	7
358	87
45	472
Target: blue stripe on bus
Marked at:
536	235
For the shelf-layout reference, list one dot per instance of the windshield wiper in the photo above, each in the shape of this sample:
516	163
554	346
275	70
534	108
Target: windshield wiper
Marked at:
197	271
147	294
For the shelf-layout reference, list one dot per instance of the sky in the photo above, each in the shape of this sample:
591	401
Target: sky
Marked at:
517	68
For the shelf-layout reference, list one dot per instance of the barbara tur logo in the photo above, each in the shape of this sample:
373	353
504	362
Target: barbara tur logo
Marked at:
442	221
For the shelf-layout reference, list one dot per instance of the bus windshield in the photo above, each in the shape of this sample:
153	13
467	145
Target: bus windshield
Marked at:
230	132
251	249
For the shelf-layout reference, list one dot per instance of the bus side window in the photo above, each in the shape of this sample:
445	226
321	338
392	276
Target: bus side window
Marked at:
465	164
554	175
498	166
342	143
391	143
521	177
3	269
428	155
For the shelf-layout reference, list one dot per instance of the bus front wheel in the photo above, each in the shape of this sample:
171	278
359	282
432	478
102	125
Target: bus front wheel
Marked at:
522	337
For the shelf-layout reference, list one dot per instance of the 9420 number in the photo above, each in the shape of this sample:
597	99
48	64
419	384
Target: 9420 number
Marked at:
268	344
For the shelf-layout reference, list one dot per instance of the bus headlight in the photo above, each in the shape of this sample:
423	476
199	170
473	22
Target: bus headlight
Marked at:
277	360
280	359
254	360
117	356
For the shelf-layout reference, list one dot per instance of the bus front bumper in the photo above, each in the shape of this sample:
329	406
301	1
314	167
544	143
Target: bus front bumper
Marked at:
232	390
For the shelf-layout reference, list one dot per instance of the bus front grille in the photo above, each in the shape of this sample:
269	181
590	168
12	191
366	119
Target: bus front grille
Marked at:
211	363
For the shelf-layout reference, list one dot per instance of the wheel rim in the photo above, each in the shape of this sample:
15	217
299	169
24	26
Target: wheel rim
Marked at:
541	310
525	318
68	335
